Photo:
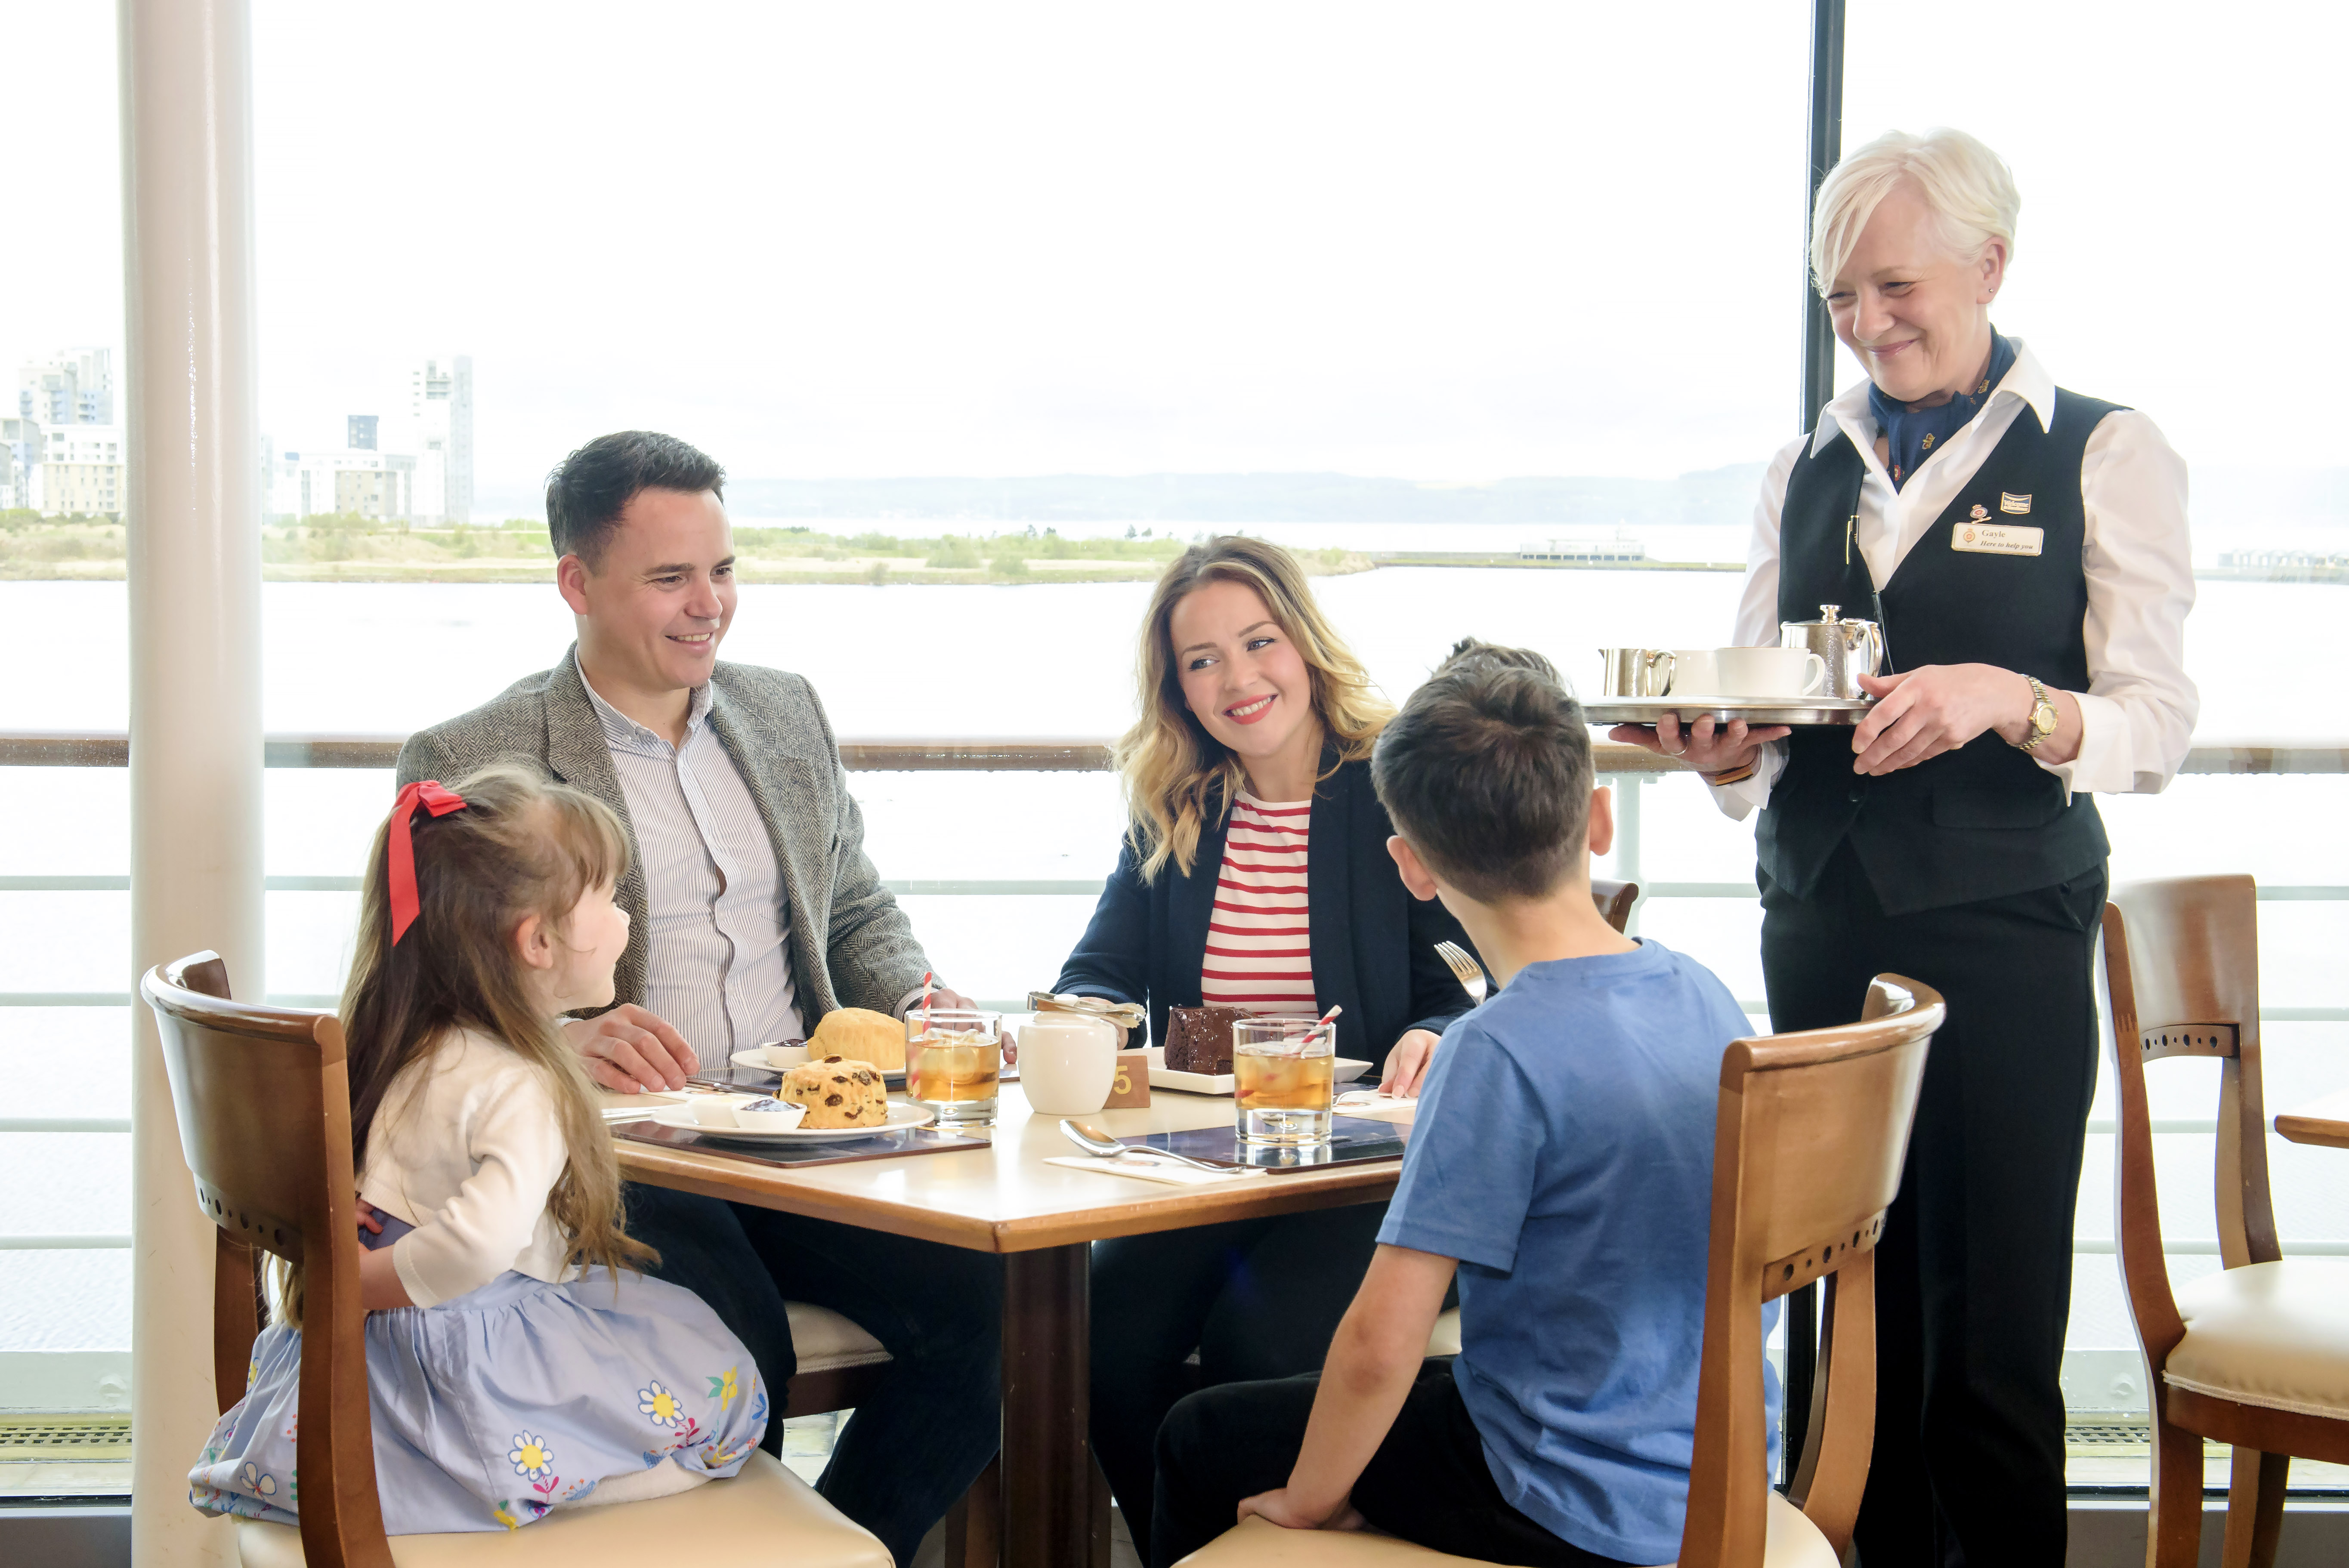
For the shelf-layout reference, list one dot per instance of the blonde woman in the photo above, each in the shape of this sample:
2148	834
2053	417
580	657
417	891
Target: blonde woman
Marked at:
2024	547
1254	873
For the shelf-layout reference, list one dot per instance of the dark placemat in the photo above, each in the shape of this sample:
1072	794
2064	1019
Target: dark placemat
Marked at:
763	1081
1352	1139
841	1152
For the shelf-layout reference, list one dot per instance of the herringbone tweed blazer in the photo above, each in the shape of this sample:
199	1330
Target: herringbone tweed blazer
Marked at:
850	945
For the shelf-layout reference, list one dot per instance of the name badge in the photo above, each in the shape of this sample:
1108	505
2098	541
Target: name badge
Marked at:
1996	538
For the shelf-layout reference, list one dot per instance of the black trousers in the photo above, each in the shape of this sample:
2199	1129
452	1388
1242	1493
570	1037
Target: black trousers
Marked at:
1427	1483
1974	1272
1257	1298
908	1453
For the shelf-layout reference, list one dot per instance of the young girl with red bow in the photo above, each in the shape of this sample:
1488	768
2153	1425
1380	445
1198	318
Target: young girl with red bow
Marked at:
517	1361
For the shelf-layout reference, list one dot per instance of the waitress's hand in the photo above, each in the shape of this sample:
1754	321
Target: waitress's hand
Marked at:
1407	1064
1934	708
1707	747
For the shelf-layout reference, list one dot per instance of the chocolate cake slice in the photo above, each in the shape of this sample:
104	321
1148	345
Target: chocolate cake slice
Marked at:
1199	1039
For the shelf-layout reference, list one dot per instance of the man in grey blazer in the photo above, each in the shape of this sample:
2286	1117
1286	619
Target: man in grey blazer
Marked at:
753	912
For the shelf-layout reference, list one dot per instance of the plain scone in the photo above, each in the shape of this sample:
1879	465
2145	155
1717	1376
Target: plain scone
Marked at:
837	1093
861	1035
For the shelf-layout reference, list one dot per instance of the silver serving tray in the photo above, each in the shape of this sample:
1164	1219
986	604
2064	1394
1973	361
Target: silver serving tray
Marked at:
1792	710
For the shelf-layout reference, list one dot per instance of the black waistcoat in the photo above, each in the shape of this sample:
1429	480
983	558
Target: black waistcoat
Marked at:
1983	821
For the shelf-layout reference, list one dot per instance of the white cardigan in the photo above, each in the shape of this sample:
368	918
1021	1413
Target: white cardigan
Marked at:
465	1146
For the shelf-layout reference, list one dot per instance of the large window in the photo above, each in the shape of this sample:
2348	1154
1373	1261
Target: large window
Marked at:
988	309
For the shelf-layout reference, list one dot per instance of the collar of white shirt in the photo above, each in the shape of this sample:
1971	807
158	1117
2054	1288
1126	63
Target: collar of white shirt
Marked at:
1849	415
626	734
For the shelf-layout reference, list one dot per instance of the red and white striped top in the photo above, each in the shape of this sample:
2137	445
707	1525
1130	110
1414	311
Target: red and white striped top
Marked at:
1259	952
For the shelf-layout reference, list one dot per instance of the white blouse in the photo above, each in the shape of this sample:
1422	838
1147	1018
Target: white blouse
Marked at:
465	1148
2138	714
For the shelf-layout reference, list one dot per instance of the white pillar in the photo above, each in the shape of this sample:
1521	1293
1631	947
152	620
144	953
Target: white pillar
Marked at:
196	672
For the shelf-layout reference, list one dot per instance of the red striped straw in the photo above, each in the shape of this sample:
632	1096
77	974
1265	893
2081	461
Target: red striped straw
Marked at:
1323	1022
927	978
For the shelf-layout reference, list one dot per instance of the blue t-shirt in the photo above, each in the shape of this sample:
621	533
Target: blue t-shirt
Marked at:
1562	1152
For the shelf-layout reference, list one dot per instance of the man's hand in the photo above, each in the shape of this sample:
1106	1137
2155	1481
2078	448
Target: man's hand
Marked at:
1407	1064
1705	746
633	1051
1923	712
1284	1511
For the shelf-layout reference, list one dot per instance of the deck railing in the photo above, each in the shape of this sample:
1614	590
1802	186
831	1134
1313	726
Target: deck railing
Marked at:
1628	767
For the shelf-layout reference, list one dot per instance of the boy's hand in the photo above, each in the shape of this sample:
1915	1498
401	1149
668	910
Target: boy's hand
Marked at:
1283	1509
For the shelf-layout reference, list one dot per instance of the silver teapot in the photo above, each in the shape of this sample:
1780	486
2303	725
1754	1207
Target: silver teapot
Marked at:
1851	648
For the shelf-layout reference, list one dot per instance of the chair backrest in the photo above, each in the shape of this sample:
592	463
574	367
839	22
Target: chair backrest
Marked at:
262	1100
1809	1137
1614	899
2182	969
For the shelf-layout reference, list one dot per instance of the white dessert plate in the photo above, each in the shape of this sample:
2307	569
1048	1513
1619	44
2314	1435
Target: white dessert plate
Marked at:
901	1117
1163	1076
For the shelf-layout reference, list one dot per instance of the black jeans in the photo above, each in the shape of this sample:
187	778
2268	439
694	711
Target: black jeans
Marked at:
1257	1298
1973	1276
1428	1482
906	1454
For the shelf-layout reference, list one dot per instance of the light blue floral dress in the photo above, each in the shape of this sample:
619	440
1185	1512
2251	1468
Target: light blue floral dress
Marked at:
500	1404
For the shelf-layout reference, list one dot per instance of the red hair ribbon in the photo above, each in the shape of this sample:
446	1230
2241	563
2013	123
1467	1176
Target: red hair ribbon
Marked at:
430	795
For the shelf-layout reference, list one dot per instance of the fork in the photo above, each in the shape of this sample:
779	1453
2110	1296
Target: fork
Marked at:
1463	969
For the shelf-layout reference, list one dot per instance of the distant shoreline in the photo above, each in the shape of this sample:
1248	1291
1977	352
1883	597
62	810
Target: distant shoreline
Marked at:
360	550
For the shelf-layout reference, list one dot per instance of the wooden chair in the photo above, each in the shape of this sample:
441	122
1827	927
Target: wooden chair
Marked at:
1615	900
2256	1354
264	1109
1809	1135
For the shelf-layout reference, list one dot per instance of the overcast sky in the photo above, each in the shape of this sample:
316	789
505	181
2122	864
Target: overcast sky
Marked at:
1443	241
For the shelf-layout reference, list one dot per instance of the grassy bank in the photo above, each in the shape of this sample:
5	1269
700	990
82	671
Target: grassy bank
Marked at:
363	549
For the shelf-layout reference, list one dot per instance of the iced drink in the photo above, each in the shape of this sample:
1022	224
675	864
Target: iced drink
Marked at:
1283	1079
953	1063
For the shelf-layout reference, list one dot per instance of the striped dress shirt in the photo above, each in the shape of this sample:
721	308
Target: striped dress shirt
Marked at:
717	966
1259	946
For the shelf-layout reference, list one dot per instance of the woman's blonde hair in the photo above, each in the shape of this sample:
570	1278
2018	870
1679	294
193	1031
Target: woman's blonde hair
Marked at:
1970	192
522	846
1177	774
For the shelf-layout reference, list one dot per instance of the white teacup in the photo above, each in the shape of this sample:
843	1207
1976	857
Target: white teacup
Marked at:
1067	1062
1696	672
1770	672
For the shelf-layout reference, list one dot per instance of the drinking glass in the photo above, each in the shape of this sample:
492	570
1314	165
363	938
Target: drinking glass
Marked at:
954	1057
1282	1068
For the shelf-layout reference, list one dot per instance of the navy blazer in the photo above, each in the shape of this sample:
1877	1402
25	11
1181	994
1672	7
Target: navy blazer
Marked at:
1373	944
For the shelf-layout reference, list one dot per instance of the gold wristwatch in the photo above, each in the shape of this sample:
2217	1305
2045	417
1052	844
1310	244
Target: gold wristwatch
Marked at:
2043	716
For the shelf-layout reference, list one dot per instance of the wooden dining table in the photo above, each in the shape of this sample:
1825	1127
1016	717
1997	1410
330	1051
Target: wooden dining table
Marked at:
2324	1121
1041	1219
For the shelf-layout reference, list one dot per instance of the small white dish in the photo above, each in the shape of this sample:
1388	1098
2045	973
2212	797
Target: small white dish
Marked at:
766	1114
901	1117
714	1109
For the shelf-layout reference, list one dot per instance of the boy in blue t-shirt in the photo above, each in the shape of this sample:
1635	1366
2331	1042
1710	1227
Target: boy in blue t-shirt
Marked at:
1560	1163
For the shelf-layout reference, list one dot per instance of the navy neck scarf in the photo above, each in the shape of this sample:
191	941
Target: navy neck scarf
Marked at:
1914	434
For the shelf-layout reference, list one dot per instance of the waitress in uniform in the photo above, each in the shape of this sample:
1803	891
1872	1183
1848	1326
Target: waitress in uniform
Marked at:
2025	549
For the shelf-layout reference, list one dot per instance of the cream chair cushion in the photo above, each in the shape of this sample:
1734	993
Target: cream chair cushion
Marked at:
763	1516
1444	1339
2272	1335
1794	1543
823	1341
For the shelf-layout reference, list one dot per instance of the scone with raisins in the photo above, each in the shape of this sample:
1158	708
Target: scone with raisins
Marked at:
837	1093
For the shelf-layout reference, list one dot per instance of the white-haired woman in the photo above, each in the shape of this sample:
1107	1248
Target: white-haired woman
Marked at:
2025	549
